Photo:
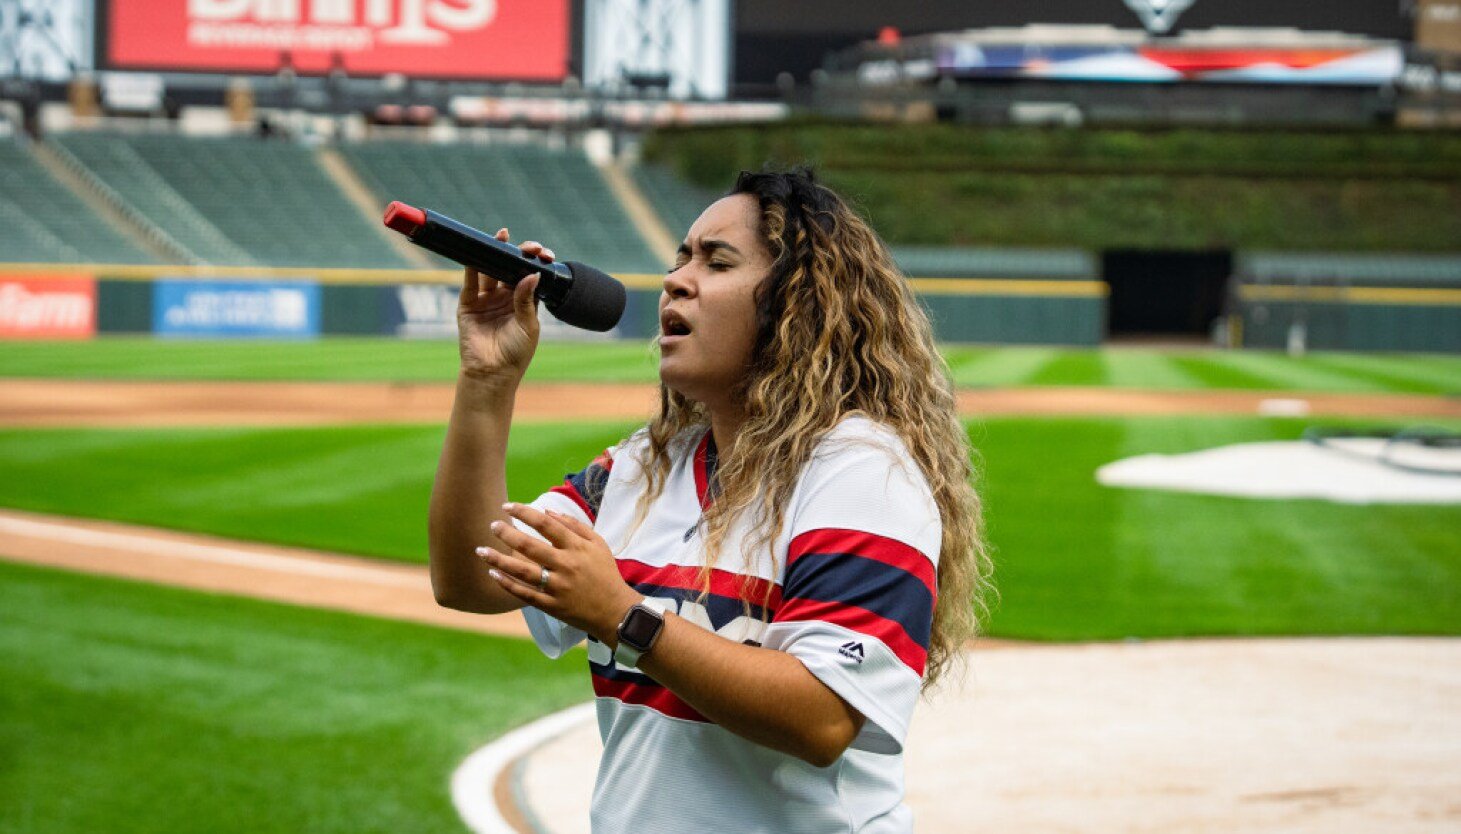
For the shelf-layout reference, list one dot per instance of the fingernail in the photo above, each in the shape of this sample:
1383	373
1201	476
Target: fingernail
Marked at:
484	551
493	572
509	506
496	525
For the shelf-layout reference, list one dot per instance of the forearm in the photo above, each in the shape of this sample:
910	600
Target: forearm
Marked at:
763	695
467	496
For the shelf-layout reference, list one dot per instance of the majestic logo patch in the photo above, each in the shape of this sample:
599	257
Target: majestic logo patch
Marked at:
1159	16
852	651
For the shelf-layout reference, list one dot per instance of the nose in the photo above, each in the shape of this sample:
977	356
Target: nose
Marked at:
677	283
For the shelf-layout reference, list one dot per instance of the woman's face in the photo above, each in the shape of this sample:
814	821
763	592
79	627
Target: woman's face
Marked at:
708	307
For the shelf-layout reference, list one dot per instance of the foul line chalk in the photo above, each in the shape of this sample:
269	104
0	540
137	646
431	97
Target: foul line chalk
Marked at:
472	783
203	552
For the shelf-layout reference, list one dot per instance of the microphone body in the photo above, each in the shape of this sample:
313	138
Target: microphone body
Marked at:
575	293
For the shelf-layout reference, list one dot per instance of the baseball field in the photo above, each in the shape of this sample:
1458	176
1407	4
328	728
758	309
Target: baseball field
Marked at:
129	706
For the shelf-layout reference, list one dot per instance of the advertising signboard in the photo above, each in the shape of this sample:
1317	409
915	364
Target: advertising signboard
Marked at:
1350	65
185	307
429	311
34	307
500	39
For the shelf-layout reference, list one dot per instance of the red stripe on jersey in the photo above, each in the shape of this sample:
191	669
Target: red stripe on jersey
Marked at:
861	621
868	546
572	492
722	582
654	696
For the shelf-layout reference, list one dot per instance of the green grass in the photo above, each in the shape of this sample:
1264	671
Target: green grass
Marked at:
345	359
1076	560
396	360
131	708
357	489
1081	561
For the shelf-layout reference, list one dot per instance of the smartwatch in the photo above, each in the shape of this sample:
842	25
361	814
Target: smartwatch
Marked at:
638	632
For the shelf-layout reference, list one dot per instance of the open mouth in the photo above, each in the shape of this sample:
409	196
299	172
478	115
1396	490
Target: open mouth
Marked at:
671	324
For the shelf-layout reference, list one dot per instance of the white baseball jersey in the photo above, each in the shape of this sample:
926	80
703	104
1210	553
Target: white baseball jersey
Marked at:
852	592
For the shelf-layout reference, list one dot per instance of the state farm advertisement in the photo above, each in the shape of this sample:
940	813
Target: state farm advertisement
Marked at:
47	308
498	39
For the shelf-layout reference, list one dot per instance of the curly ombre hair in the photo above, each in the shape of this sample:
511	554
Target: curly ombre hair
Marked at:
838	333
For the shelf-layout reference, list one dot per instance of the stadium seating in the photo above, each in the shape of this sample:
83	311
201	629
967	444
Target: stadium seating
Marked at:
236	201
676	202
42	222
539	193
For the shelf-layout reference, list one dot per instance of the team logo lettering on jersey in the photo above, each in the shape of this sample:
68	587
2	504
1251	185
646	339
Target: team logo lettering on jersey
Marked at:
852	650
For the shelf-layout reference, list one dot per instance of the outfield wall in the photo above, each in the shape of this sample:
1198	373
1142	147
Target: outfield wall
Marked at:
301	303
1348	302
1325	304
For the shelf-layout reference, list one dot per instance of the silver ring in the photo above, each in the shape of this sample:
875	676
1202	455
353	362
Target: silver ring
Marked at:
543	579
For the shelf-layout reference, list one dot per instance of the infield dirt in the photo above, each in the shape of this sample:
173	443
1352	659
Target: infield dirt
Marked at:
52	403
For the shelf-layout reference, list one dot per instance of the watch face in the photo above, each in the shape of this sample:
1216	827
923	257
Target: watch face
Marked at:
639	628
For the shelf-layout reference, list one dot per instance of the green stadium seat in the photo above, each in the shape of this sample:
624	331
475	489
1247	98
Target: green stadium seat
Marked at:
677	202
237	201
41	221
539	193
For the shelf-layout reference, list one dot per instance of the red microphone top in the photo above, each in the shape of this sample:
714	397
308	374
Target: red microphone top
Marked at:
403	218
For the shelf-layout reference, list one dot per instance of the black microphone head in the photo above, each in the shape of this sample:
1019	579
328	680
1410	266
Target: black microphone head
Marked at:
595	301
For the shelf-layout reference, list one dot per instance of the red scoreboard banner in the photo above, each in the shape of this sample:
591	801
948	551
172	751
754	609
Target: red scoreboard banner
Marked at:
499	39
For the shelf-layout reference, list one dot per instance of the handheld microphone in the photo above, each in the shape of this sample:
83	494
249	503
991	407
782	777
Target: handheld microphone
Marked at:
573	292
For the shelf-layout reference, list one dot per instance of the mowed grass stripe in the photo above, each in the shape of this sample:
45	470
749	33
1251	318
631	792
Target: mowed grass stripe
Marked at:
999	368
356	489
1395	373
1086	367
1141	368
1076	560
335	359
1054	577
1298	375
132	707
1164	538
398	360
1215	371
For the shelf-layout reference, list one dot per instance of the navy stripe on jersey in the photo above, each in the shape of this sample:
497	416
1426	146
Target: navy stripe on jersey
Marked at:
863	582
682	582
640	689
609	671
890	592
721	609
586	488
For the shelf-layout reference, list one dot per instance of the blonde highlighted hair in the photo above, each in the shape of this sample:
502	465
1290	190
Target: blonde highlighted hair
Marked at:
839	333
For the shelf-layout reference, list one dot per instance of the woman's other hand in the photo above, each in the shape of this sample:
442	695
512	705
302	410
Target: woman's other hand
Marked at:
497	325
584	588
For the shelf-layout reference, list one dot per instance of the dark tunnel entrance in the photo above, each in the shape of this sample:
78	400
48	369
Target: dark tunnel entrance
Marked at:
1165	295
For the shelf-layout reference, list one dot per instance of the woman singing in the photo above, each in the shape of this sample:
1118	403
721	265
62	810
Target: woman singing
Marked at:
770	571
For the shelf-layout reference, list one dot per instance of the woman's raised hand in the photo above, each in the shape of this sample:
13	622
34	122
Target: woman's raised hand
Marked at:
569	574
497	325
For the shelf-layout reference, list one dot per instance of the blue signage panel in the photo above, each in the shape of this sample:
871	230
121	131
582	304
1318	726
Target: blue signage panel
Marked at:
187	307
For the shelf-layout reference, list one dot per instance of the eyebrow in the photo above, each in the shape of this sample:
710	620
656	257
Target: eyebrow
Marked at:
708	246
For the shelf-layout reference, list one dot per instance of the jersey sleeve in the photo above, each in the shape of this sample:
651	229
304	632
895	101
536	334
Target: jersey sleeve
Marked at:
859	585
579	496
